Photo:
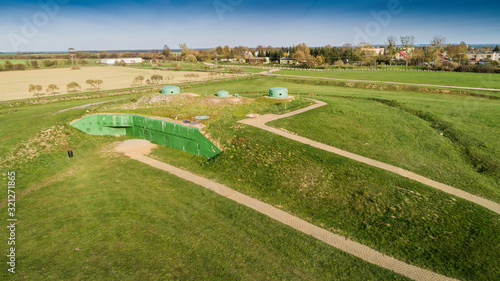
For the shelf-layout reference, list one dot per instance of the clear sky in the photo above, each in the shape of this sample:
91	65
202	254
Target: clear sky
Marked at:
56	25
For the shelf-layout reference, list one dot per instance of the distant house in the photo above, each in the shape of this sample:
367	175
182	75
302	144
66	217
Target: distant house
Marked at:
402	55
248	54
480	57
257	60
374	51
287	61
126	60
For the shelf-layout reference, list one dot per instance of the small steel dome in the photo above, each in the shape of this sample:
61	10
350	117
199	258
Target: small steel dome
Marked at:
222	94
170	90
278	92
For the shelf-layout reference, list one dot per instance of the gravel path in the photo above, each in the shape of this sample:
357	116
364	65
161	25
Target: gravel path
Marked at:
136	149
84	106
261	124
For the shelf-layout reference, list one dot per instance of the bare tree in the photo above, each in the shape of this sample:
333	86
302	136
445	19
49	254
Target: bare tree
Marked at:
52	89
98	83
73	86
166	52
91	82
32	88
391	47
408	44
36	89
72	54
156	78
437	45
138	80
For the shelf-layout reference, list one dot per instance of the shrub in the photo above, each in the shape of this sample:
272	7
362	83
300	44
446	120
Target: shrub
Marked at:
486	69
235	70
20	66
177	66
449	66
190	58
49	63
465	68
8	65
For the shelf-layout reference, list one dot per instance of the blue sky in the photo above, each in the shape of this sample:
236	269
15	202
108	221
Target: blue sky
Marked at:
56	25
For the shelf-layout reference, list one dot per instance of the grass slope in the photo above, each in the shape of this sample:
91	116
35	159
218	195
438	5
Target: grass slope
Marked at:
394	215
453	139
102	216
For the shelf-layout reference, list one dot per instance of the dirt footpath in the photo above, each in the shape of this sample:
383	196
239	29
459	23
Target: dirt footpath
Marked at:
137	149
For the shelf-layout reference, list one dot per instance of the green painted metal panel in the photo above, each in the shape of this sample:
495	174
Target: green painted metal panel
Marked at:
278	92
170	90
162	132
222	94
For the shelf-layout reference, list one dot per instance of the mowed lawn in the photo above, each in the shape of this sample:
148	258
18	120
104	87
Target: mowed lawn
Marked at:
462	79
103	216
15	84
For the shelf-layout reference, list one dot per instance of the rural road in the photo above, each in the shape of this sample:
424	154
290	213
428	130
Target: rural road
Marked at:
137	149
260	123
388	82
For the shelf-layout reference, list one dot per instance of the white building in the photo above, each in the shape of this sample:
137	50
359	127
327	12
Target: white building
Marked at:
483	57
126	60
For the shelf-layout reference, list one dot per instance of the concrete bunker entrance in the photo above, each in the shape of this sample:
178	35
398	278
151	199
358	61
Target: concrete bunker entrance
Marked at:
161	131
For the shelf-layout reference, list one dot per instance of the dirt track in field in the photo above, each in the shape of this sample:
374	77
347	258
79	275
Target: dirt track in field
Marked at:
15	84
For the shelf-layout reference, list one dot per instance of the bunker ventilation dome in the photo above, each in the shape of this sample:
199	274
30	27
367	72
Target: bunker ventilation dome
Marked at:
278	92
222	94
170	90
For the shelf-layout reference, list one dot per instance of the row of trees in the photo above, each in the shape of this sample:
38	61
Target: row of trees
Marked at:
34	64
154	79
94	83
37	90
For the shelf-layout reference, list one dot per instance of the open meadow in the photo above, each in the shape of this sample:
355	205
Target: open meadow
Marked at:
100	215
15	84
461	79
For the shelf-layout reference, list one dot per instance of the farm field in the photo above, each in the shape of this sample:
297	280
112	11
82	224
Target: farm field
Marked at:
15	83
109	207
462	79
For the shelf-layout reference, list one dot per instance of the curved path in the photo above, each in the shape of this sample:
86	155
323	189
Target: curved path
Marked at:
389	82
261	124
137	149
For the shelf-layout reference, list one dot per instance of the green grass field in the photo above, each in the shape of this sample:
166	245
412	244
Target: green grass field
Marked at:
465	155
103	216
463	79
